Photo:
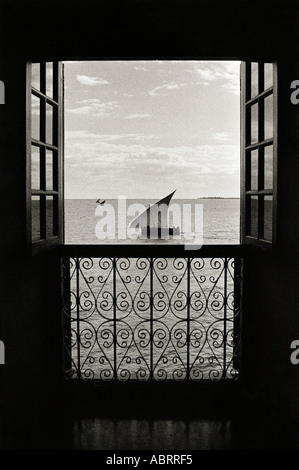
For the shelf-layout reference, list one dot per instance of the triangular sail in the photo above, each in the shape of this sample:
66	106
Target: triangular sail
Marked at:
155	215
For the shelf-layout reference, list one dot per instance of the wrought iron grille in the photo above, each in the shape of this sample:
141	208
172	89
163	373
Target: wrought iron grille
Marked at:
147	318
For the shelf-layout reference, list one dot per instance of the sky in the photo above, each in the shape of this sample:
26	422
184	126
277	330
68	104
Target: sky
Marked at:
143	129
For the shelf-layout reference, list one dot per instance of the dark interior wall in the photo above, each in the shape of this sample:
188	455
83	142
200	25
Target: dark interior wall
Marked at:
30	290
29	286
270	324
271	307
149	28
29	295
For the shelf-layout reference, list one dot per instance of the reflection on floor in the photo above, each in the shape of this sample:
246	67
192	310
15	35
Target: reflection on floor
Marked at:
19	432
149	435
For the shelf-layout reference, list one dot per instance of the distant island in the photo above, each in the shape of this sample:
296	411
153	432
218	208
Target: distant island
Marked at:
217	197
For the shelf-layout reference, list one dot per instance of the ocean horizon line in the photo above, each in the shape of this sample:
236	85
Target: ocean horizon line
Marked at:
142	198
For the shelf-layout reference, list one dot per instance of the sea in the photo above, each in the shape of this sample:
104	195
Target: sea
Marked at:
133	320
217	220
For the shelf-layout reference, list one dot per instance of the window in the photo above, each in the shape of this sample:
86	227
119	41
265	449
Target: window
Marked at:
258	135
140	130
44	155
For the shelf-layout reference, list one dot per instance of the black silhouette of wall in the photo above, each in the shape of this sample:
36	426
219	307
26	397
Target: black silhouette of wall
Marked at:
30	323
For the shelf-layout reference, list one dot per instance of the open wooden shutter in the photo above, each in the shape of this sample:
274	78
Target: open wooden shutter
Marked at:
258	153
45	227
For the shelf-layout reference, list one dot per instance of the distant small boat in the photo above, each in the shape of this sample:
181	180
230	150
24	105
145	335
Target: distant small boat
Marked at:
153	221
101	202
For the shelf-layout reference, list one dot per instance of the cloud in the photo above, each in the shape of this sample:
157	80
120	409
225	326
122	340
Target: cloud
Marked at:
136	166
72	136
233	87
116	156
207	75
221	137
89	101
137	116
80	110
91	81
94	107
168	86
141	163
227	74
141	69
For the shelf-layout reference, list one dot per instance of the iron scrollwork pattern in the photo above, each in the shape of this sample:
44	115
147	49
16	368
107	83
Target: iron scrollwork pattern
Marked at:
152	318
